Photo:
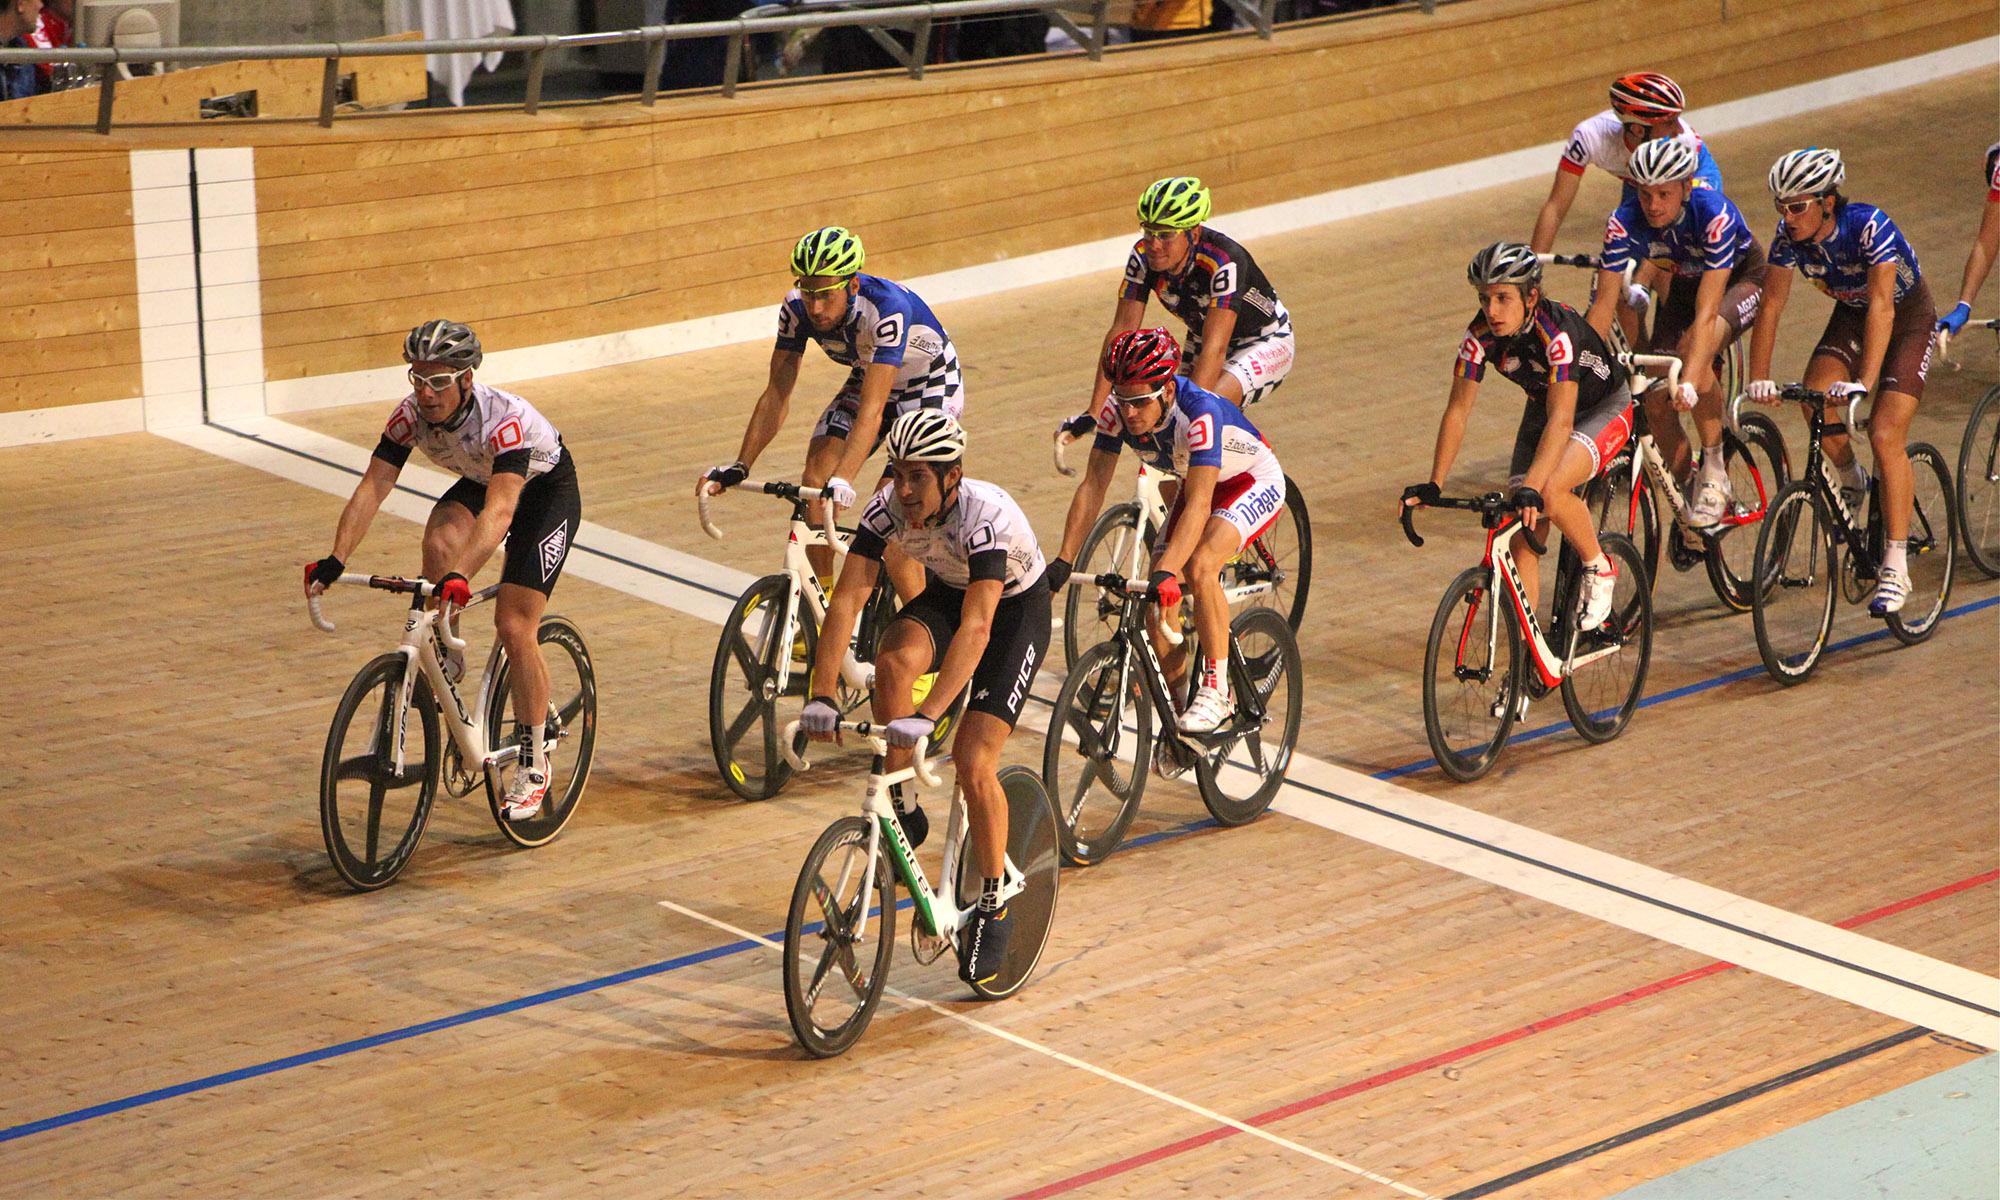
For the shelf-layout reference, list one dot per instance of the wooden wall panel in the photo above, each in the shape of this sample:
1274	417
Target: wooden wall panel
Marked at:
69	313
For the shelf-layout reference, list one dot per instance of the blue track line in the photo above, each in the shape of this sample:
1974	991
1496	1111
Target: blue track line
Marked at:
407	1032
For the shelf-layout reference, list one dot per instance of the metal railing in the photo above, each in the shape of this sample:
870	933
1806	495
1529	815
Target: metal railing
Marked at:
871	15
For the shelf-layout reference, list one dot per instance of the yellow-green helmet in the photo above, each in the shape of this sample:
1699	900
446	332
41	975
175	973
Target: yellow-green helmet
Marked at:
1177	203
833	251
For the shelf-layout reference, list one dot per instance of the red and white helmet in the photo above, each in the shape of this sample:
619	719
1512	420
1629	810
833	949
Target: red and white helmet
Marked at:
1146	356
1647	96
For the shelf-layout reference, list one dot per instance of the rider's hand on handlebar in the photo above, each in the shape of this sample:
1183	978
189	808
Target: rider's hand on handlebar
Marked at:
1419	494
1762	391
840	492
1844	390
1637	298
1168	585
1528	502
454	590
725	478
1685	397
1954	321
1078	425
905	732
321	575
1058	574
821	719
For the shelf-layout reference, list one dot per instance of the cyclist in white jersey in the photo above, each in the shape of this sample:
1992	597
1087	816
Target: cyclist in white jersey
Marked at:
982	622
516	482
899	359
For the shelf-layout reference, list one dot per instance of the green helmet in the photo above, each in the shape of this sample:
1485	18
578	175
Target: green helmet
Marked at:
1177	203
832	251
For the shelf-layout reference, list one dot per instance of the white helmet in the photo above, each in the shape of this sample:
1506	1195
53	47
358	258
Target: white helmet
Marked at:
1663	160
926	435
1808	172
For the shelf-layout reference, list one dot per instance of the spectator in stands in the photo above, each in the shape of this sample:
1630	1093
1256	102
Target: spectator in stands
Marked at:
1154	19
18	19
53	33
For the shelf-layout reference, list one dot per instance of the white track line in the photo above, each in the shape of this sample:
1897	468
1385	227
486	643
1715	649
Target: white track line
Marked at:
1070	1060
1767	940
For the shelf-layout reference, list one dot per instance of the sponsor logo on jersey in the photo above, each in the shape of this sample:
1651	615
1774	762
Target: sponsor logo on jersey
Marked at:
553	548
1589	361
1022	680
1717	232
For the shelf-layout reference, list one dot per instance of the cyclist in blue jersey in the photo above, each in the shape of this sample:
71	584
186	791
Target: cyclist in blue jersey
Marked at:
1717	283
1877	342
1226	470
899	359
1985	247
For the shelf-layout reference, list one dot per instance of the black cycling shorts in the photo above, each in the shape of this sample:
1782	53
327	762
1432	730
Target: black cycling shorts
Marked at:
545	523
1014	652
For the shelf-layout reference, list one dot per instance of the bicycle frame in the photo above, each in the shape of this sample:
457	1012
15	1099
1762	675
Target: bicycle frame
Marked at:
940	911
1853	534
1131	630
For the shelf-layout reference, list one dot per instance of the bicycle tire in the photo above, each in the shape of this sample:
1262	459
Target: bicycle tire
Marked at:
811	924
1758	466
1263	645
1032	843
739	679
1979	485
1630	621
1933	553
371	868
1090	614
1281	555
1085	709
1613	509
1795	561
572	724
1468	616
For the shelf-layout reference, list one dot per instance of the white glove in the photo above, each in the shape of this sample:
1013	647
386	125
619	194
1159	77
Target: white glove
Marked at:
1685	397
1845	390
905	732
840	492
1638	298
1762	391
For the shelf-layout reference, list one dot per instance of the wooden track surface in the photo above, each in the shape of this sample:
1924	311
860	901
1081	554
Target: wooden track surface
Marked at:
175	917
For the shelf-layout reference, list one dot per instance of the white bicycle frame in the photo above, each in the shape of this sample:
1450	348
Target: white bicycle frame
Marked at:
804	584
941	907
426	633
1501	568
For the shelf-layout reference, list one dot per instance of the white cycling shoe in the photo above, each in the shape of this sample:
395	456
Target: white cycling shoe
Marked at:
1711	500
1890	592
1597	587
1207	711
528	789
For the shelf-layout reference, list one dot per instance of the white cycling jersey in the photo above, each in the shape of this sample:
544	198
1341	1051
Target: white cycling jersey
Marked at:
493	427
983	524
1599	141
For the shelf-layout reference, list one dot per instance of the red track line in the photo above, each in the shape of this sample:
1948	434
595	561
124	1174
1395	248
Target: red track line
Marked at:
1466	1051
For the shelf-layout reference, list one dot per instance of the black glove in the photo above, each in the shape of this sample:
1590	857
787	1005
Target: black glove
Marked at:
1057	574
325	573
1527	497
1079	424
730	475
1423	493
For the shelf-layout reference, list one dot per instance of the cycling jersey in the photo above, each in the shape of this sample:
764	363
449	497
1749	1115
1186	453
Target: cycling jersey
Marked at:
1557	346
1201	429
985	535
1862	237
1599	142
1710	234
1993	172
885	323
494	432
1219	273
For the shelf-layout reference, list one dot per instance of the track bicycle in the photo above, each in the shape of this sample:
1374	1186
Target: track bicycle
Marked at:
1272	570
1486	657
1799	559
840	930
1979	472
1101	737
376	789
767	643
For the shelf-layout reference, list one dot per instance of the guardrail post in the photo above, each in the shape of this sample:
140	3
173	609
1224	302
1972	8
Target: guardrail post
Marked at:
656	62
534	101
1100	14
1428	7
329	88
921	50
107	94
732	62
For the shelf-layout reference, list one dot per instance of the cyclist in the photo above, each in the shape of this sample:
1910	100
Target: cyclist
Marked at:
1579	410
1239	336
1226	470
517	481
1985	247
982	620
899	358
1718	279
1877	341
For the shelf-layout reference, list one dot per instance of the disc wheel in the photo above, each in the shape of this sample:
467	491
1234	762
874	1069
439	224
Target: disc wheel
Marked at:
743	690
1471	665
1243	766
1032	846
1098	748
371	815
570	730
1601	695
1792	606
1933	546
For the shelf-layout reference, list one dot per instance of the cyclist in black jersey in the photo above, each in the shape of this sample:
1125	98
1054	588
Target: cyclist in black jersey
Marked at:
1578	416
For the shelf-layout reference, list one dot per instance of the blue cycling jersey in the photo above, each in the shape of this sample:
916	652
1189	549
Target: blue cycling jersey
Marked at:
1709	235
885	323
1862	237
1201	429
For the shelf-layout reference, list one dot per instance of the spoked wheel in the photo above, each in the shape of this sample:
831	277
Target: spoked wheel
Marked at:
570	731
1933	546
1602	693
1032	845
1616	508
1757	469
1278	559
1979	485
371	815
1099	745
1239	776
1090	614
834	969
743	723
1792	606
1470	667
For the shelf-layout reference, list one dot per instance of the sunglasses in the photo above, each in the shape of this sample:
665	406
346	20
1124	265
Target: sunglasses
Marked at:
1155	234
434	383
1794	208
819	293
1126	401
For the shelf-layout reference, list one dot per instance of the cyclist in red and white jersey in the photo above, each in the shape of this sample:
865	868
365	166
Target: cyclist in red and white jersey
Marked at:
1985	247
1644	105
516	482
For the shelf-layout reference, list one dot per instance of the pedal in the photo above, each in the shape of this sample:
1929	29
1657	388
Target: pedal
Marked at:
926	948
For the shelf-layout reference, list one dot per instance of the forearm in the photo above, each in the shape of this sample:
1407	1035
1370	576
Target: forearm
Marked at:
765	421
1980	260
359	514
1604	304
834	633
1875	344
487	534
961	658
1208	368
1548	223
1451	434
1083	509
1197	496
